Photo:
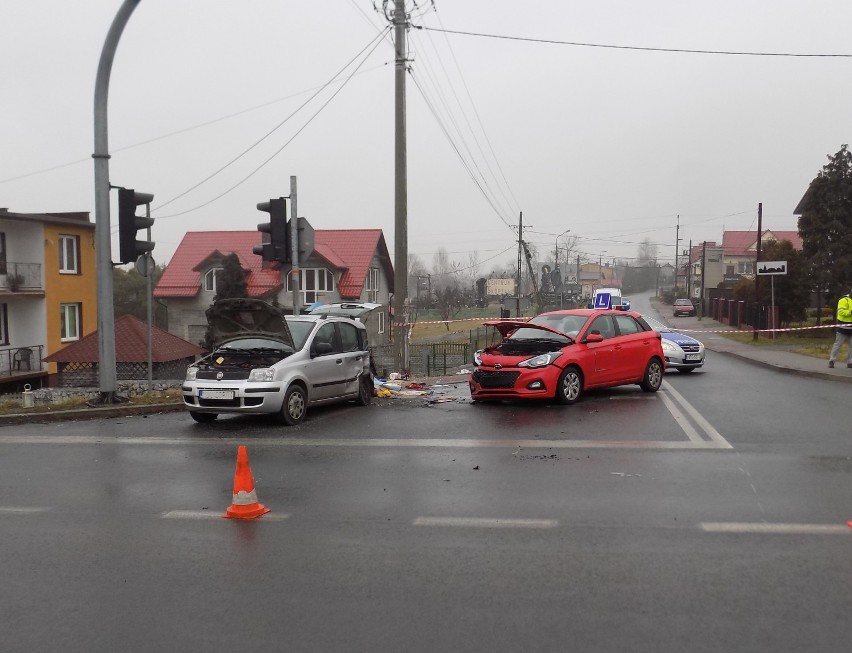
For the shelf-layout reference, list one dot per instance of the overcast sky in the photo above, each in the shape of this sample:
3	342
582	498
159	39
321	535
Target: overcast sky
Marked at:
611	143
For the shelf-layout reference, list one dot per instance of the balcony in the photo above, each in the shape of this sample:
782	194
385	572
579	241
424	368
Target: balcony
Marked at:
22	362
20	277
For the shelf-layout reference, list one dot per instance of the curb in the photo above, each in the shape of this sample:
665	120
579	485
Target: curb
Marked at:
119	410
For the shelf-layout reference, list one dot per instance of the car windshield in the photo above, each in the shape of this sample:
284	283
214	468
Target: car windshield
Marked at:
300	330
683	302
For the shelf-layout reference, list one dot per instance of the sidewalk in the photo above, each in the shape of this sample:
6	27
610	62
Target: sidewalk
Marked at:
777	358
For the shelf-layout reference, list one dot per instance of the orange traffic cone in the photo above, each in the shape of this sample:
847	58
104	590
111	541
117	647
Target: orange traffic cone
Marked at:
245	504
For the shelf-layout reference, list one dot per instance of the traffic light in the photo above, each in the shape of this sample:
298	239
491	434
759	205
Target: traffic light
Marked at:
130	249
278	247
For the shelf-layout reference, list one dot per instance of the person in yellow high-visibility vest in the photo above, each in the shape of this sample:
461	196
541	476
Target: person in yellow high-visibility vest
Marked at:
843	327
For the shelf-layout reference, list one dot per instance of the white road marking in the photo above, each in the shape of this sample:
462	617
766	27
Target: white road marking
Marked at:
680	418
482	522
215	514
776	529
436	443
22	510
699	420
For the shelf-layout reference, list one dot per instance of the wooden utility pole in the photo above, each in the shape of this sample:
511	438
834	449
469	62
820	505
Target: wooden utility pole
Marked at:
756	317
518	275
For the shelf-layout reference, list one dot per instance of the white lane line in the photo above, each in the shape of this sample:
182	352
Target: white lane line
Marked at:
680	418
482	522
215	514
699	420
776	529
22	510
448	443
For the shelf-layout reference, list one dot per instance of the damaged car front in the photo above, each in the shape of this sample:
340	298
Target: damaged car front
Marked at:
527	363
243	373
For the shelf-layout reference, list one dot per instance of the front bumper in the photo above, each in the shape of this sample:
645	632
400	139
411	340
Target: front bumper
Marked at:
233	397
513	383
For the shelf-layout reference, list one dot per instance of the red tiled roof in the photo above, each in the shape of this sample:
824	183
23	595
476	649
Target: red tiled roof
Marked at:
744	243
182	276
348	250
354	248
131	345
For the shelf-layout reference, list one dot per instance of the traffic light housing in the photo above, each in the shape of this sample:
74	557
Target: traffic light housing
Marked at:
278	248
130	249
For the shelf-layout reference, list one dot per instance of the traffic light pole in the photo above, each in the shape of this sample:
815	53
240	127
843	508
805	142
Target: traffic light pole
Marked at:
103	254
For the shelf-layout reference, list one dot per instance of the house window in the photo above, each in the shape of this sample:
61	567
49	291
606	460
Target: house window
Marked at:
745	267
314	281
210	279
382	322
69	322
371	285
4	325
2	253
69	254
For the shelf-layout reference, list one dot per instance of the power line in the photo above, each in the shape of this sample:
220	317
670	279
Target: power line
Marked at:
375	42
280	149
634	47
182	130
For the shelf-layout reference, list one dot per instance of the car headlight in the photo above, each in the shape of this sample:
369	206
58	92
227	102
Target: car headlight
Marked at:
477	357
262	374
191	373
541	361
667	346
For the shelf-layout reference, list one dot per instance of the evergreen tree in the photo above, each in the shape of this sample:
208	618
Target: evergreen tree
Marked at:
231	281
825	224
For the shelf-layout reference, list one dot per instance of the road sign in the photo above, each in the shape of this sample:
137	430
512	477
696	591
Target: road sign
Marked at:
769	268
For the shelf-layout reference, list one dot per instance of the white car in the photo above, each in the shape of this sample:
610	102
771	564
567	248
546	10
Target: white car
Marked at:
265	361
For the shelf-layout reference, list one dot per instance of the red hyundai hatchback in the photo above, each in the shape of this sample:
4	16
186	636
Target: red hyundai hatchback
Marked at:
561	354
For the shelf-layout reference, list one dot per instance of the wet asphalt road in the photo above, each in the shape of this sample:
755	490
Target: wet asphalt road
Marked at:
708	517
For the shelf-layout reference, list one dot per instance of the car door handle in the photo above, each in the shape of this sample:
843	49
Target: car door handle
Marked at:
339	361
618	348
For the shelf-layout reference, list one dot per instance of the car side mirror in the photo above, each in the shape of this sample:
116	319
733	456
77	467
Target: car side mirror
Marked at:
593	337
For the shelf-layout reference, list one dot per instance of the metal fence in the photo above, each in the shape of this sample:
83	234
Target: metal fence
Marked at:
425	360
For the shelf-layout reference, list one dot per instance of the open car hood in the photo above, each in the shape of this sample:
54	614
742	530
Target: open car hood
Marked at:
505	327
353	309
235	318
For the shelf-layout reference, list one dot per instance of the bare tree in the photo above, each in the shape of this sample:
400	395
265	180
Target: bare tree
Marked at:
647	252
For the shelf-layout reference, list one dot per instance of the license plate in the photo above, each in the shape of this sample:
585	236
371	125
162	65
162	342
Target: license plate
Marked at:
692	357
216	394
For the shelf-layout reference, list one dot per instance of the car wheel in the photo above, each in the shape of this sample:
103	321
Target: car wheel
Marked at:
570	385
685	370
653	378
203	418
295	405
365	390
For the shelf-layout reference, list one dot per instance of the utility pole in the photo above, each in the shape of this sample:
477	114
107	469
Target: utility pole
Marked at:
294	249
689	271
703	264
756	318
400	284
677	247
103	248
518	276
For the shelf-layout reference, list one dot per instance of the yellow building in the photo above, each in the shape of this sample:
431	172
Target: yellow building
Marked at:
48	289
